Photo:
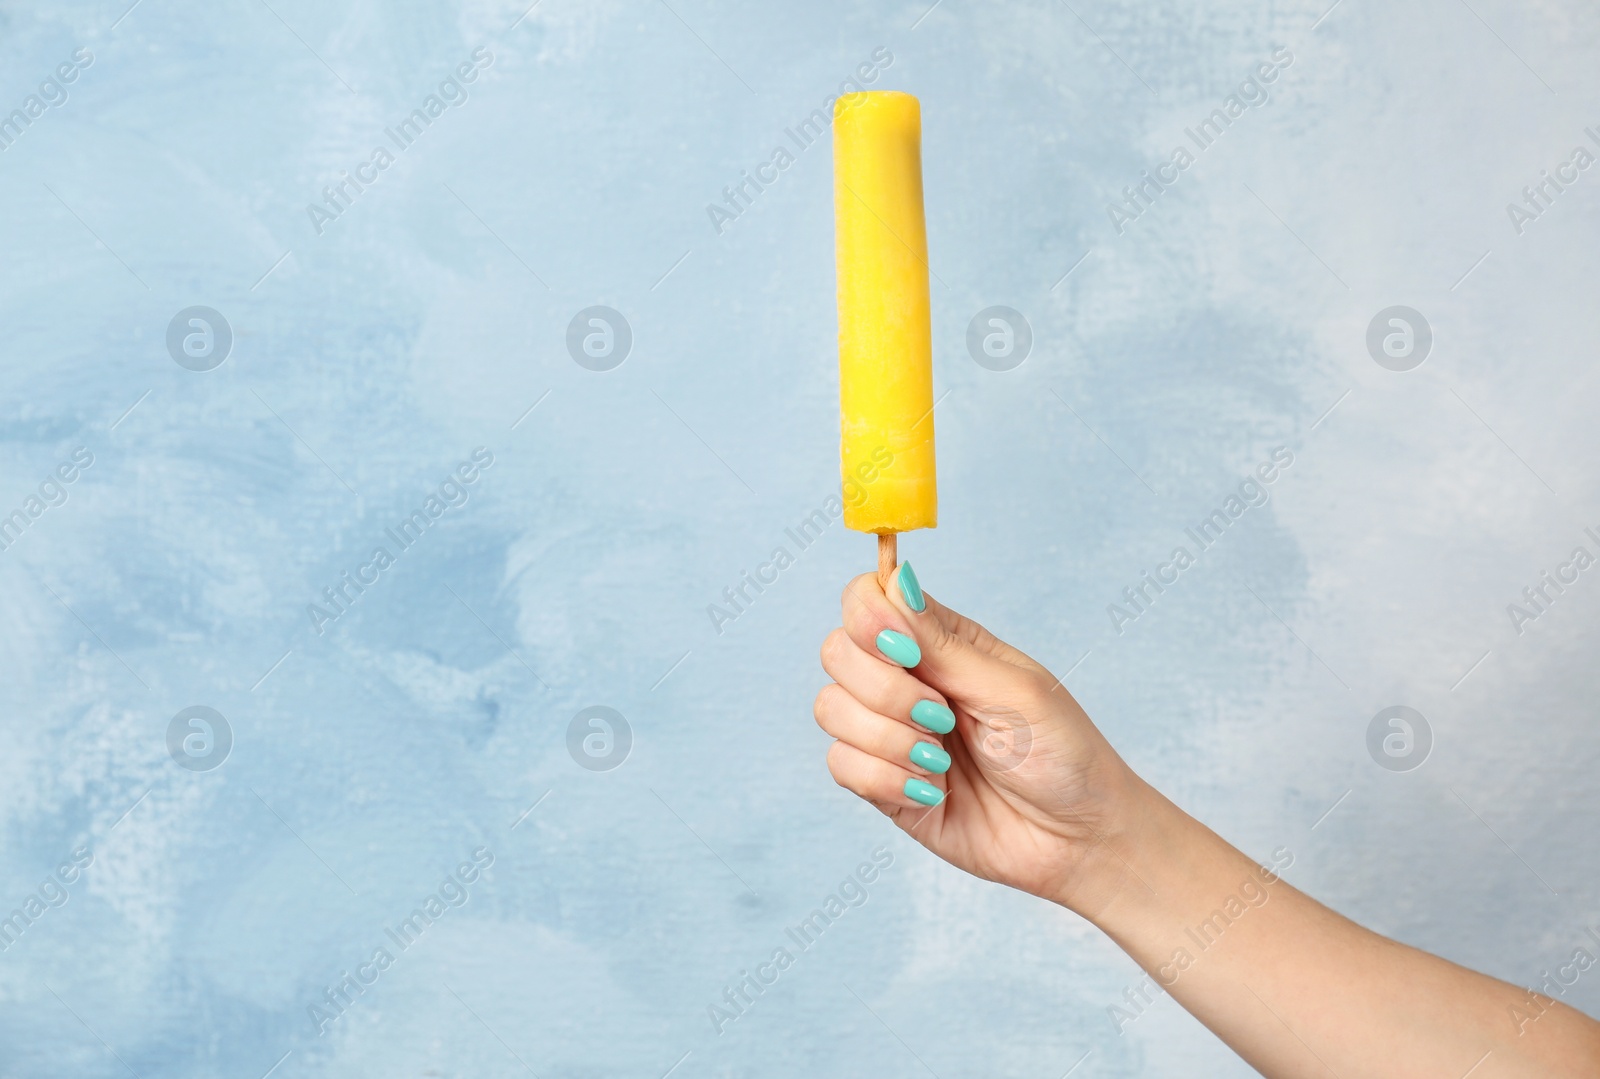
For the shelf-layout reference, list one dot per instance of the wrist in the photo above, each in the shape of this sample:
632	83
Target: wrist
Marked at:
1163	870
1145	853
1116	819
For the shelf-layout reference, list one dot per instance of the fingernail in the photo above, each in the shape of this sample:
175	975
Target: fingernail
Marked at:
899	648
929	756
911	588
926	793
934	716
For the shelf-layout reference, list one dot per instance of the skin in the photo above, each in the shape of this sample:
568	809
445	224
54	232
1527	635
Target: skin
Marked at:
1037	799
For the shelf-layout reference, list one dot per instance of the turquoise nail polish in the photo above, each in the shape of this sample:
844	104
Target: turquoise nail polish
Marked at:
929	756
926	793
934	716
899	648
911	588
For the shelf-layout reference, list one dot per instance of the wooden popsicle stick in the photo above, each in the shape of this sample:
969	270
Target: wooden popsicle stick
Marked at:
888	559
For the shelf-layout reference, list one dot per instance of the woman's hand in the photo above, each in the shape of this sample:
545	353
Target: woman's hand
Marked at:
931	709
979	754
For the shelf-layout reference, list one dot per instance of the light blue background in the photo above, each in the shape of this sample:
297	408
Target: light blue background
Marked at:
426	320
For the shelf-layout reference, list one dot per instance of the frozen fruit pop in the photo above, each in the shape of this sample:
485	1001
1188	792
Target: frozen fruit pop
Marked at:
885	340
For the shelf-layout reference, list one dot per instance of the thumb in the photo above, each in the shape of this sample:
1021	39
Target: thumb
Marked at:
958	656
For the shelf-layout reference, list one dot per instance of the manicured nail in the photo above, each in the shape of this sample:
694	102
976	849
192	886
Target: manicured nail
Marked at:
898	648
926	793
911	588
929	756
934	716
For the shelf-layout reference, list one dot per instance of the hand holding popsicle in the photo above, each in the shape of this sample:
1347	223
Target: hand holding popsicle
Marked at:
977	753
1029	778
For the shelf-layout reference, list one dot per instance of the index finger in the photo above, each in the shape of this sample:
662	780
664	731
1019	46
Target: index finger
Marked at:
876	626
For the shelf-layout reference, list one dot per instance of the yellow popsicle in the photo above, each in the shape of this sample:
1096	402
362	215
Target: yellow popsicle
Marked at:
885	341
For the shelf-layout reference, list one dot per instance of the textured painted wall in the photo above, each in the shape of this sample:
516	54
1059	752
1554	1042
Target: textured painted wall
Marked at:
190	885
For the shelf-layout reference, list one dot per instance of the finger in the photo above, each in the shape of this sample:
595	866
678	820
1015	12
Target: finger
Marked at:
880	782
949	652
886	689
877	628
852	722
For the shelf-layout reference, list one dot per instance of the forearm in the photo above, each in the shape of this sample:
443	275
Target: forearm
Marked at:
1296	989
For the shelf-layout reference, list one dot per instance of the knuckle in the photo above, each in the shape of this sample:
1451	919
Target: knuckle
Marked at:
859	600
886	687
833	649
937	639
861	625
827	701
850	598
836	764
